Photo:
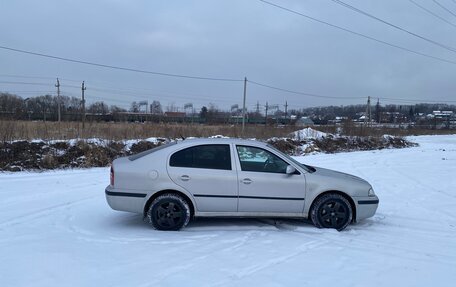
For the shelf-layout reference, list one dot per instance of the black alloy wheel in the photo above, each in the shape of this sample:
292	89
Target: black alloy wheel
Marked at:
331	211
169	212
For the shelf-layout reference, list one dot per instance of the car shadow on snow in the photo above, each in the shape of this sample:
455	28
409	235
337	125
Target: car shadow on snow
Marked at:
136	221
247	224
127	220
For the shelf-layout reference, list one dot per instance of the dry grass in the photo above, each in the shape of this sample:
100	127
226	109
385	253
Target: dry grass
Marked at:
25	130
350	129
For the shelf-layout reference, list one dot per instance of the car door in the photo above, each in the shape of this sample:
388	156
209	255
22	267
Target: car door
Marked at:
207	172
264	185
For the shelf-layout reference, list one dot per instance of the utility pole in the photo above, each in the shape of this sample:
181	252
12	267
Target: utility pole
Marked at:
258	108
243	106
368	112
58	98
377	111
83	88
266	114
286	111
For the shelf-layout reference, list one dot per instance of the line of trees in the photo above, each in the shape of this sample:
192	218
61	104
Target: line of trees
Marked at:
321	115
45	107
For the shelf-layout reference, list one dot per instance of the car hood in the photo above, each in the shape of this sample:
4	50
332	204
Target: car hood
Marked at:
339	175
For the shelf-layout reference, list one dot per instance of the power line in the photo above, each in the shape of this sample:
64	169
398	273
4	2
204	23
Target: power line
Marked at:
415	100
334	97
28	92
359	34
23	83
444	8
301	93
38	77
432	13
27	77
144	96
135	94
359	11
118	67
140	93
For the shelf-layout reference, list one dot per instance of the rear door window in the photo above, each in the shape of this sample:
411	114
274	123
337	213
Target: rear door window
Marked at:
203	156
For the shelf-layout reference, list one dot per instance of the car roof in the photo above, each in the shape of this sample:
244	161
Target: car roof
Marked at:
222	141
186	143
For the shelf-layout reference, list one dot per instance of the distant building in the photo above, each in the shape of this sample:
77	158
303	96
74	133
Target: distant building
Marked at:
175	114
338	120
441	114
304	122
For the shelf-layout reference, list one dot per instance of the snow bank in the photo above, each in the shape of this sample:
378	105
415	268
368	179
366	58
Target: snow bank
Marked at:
219	137
307	133
95	152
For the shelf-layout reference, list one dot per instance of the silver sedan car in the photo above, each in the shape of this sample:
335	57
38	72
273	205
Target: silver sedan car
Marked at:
175	182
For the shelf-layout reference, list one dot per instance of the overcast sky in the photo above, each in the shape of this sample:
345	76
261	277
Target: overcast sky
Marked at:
227	39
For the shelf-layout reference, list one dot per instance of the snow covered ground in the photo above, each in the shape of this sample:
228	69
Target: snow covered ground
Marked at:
57	230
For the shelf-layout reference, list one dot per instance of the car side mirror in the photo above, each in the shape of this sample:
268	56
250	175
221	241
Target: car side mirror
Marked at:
290	170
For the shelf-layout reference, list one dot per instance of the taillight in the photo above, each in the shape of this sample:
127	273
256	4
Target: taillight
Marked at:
112	176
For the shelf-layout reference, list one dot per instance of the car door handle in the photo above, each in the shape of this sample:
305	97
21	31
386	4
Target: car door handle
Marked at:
185	177
246	181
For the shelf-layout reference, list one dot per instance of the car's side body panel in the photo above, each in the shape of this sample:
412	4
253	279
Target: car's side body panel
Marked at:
223	193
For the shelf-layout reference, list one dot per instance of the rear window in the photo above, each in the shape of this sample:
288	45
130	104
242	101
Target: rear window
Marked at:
203	156
149	151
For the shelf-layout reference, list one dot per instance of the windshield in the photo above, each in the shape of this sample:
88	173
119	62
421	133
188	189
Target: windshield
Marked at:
305	166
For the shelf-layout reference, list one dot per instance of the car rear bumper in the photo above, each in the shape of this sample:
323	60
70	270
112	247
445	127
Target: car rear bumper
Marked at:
125	200
366	206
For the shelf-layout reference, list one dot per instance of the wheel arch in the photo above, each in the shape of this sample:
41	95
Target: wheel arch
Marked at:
345	195
172	191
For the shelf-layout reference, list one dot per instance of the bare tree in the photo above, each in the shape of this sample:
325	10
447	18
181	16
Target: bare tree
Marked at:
98	108
116	109
156	108
134	107
172	107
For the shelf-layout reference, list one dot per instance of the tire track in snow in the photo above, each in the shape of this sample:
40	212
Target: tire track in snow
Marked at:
43	176
34	215
391	249
255	268
424	197
243	241
61	191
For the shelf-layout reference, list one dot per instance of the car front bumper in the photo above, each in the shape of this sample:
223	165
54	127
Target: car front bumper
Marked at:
366	206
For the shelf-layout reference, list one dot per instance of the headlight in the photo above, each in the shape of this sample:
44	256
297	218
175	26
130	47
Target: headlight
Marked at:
371	192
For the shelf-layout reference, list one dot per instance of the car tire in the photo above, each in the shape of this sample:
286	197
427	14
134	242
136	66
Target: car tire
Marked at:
331	211
169	212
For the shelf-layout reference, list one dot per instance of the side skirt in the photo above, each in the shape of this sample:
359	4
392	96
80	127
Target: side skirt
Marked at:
249	214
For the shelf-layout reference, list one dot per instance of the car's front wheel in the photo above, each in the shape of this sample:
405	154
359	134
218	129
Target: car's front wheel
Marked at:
169	212
331	210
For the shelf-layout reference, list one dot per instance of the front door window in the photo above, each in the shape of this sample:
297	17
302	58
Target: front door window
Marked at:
260	160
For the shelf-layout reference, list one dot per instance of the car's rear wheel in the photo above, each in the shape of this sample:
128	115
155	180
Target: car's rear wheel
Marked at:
169	212
331	210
